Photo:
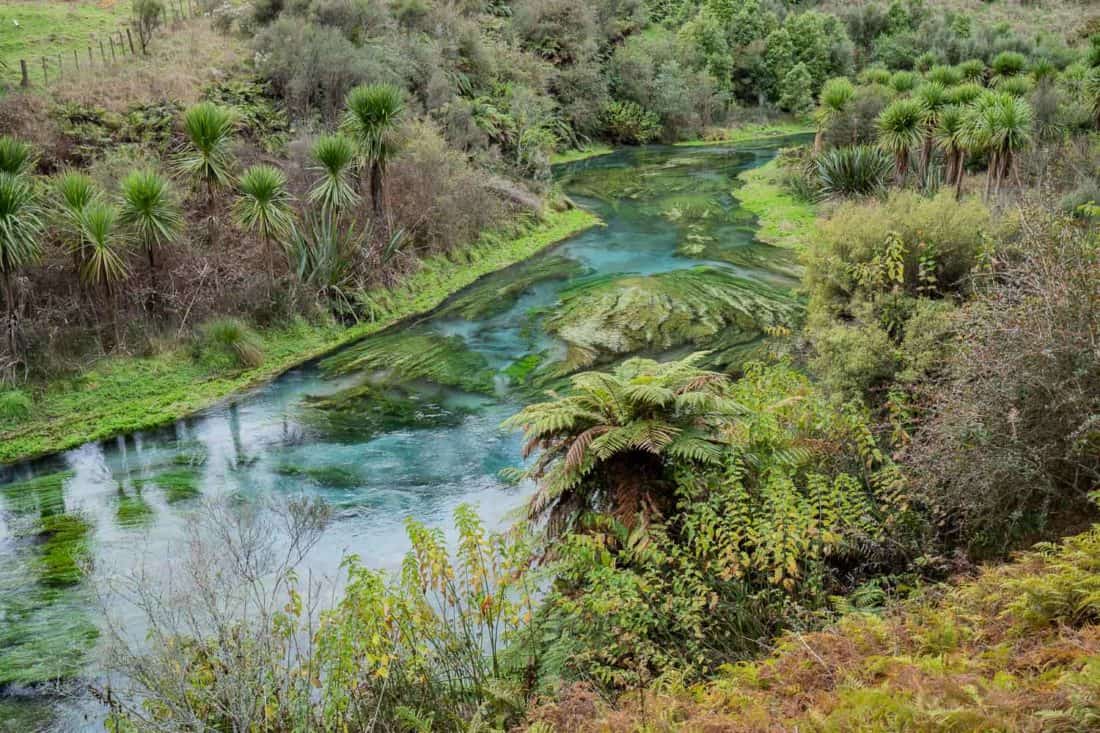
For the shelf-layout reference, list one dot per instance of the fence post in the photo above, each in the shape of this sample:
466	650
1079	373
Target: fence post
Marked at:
111	40
76	60
91	58
60	67
45	73
26	80
102	52
130	38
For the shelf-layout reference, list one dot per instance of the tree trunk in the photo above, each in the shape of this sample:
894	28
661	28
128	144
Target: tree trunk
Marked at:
10	318
960	164
925	156
901	165
819	141
377	204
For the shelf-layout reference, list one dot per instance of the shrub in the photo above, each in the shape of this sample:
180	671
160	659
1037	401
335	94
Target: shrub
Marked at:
1013	435
229	342
796	92
627	122
859	170
15	405
1008	63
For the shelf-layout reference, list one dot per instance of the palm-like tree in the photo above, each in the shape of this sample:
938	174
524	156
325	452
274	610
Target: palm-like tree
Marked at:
607	444
900	129
264	206
950	136
20	229
75	191
207	159
16	157
149	210
835	97
105	263
933	96
335	156
1001	125
371	119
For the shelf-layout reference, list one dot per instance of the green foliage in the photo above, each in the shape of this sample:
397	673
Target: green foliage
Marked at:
16	156
103	249
149	210
208	159
20	224
901	127
178	484
746	533
257	115
264	206
335	156
322	255
1008	63
627	122
796	90
15	404
229	343
859	170
867	274
63	551
372	114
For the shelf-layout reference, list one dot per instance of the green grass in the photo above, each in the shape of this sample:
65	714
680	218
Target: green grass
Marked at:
126	394
50	28
589	151
784	221
749	132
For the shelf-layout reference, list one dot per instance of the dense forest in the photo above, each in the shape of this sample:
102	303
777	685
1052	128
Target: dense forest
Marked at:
787	504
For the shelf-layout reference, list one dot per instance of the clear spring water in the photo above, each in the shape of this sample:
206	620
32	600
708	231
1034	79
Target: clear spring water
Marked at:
656	203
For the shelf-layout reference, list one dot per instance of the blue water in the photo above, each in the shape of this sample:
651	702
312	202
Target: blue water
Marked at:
420	472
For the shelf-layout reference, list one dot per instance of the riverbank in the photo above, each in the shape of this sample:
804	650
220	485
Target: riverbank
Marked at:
784	220
123	395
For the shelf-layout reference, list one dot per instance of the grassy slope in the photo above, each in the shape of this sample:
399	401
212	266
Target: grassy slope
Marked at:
784	220
749	131
126	394
1016	649
51	28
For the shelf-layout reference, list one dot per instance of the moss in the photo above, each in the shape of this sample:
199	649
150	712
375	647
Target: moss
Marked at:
702	307
356	414
328	476
128	394
520	370
417	356
63	549
178	484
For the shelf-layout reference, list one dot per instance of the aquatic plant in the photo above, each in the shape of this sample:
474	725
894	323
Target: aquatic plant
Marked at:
328	476
499	291
63	549
178	484
622	315
416	355
357	413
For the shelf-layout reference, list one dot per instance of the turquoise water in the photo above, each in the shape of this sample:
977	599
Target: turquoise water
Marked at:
377	439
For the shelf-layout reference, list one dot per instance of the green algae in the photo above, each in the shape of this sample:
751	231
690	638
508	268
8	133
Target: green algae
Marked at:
328	476
357	413
704	307
178	484
499	291
400	358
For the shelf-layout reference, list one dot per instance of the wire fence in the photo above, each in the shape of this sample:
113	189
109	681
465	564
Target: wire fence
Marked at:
105	50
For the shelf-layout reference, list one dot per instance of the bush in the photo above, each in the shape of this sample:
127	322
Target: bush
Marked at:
796	90
859	170
15	405
1013	438
627	122
229	343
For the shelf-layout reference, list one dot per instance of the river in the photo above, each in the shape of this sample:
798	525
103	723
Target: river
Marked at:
404	423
